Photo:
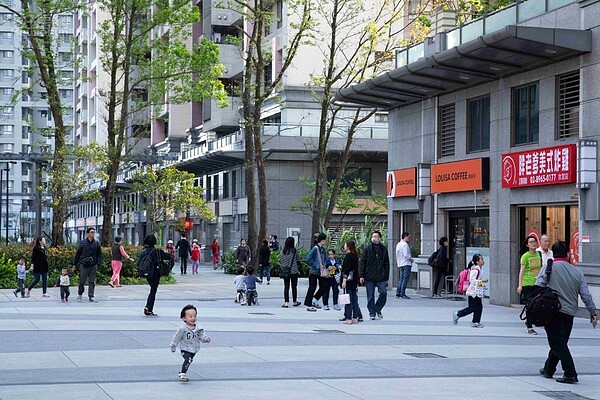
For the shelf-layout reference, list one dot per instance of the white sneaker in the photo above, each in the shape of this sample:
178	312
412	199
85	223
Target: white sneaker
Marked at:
93	300
326	308
337	307
79	298
183	377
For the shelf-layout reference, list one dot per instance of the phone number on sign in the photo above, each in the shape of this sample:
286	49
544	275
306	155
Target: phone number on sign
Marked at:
548	178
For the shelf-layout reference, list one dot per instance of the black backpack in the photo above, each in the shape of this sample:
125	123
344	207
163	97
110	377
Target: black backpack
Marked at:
432	260
543	304
146	265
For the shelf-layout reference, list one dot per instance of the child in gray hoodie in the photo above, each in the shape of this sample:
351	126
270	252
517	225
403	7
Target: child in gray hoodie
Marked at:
188	337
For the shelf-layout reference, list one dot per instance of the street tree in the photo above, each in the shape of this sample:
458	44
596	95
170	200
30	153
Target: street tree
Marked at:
260	60
39	21
167	193
147	51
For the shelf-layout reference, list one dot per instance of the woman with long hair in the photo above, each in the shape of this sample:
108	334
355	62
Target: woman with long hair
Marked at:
531	264
216	252
153	277
117	253
289	272
39	266
475	305
352	312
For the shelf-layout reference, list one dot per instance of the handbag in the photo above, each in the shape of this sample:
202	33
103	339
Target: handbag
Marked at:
87	262
324	270
344	298
164	266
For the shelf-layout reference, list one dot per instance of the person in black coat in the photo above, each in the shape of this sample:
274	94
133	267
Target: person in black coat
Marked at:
87	259
39	266
264	261
440	268
185	251
153	277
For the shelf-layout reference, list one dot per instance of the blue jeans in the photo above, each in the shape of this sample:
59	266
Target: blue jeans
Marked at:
36	279
266	269
403	280
373	306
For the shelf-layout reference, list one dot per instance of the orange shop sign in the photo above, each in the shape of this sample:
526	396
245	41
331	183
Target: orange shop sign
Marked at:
402	183
461	176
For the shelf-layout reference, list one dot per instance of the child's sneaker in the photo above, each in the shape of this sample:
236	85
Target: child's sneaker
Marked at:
183	377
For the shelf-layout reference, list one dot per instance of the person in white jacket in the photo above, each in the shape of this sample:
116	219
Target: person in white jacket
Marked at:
475	305
188	337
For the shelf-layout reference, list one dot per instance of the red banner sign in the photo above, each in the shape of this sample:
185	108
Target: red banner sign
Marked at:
548	166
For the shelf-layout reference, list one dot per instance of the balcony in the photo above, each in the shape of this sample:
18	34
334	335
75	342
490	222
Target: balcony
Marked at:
231	58
223	117
224	17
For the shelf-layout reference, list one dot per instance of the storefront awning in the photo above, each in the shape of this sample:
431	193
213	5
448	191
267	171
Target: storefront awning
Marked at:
506	52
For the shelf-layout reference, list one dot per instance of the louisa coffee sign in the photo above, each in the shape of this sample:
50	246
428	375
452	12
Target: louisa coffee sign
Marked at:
548	166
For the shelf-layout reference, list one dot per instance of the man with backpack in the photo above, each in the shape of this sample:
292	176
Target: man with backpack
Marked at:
569	283
440	266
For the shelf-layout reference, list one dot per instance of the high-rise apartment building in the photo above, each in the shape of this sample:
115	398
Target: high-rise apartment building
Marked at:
26	124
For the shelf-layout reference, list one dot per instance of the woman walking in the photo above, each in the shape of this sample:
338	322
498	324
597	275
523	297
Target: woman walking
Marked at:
474	295
243	254
216	252
39	266
117	252
289	272
316	260
531	263
352	312
154	273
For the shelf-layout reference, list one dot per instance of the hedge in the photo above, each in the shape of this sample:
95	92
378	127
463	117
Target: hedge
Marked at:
63	257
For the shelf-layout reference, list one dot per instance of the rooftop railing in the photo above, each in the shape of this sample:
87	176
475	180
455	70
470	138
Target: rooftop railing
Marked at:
520	11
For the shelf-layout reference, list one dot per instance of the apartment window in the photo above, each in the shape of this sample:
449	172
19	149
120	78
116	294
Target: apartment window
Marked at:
268	74
7	111
6	148
66	57
279	13
526	114
226	185
6	129
43	113
364	174
6	91
414	7
65	21
25	169
447	130
26	187
479	124
25	132
7	73
8	53
25	148
208	188
6	35
65	38
216	187
5	17
66	94
234	184
568	105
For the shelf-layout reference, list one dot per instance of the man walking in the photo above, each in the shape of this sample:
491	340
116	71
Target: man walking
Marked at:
374	269
185	251
545	250
404	261
87	258
569	283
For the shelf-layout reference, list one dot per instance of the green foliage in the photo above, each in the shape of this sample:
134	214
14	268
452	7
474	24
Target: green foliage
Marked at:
63	257
169	192
230	264
361	237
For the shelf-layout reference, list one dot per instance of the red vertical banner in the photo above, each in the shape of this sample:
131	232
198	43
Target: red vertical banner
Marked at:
574	247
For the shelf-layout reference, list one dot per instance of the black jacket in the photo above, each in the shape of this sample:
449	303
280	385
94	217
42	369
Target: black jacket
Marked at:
350	270
154	254
88	249
184	247
39	259
264	255
374	263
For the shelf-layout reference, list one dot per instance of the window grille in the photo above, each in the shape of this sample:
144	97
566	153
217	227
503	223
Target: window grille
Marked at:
447	130
568	105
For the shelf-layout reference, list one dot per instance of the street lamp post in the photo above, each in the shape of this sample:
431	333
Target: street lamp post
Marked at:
7	180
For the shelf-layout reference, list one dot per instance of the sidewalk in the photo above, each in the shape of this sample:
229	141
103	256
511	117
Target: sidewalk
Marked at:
109	350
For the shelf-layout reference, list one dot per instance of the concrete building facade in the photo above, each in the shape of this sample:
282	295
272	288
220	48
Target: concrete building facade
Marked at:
493	138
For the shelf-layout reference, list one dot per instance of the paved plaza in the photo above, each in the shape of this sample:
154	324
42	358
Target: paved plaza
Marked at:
110	350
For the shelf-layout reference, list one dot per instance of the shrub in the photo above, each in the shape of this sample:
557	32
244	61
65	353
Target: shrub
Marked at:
63	257
230	264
